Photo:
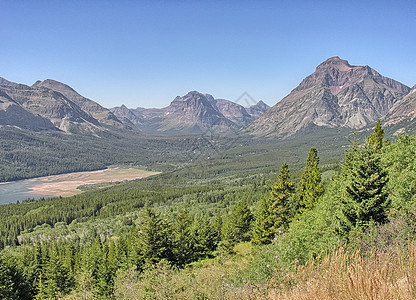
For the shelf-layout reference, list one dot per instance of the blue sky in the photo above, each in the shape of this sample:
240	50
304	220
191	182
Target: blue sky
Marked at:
144	53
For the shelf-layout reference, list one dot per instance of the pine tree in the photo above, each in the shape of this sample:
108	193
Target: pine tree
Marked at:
182	239
56	276
155	238
204	238
241	218
281	200
365	187
227	237
262	232
376	139
310	187
276	211
104	278
131	249
11	280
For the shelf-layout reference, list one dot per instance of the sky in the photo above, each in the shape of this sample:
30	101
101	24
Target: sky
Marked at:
145	53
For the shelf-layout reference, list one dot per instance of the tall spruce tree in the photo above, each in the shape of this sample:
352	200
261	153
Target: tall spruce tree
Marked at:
365	182
281	200
376	139
182	238
241	219
276	211
155	238
310	187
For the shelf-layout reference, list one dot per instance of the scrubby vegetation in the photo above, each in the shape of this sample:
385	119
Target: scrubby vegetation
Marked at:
188	235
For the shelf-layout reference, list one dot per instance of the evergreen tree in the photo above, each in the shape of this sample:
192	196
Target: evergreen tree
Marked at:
310	187
262	232
55	276
376	139
105	277
131	249
241	218
281	200
182	239
365	187
204	238
94	257
276	211
227	242
12	284
155	238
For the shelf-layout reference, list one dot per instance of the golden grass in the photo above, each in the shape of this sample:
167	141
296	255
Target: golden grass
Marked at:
340	275
376	276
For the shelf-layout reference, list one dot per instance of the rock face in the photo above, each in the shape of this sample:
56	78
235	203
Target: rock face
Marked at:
194	113
258	109
52	105
403	110
232	111
101	114
337	94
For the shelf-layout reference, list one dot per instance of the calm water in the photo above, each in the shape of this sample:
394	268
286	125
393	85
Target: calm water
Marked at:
12	192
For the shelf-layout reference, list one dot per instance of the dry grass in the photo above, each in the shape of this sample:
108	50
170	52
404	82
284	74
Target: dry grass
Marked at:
376	276
339	276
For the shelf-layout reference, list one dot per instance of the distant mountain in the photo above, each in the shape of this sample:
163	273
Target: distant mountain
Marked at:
13	114
101	114
4	82
54	106
257	110
337	94
403	110
232	111
194	113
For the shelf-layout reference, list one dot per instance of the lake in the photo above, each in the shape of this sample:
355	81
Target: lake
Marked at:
65	185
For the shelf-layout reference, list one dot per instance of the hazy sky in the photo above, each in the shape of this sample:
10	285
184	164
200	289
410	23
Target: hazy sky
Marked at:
144	53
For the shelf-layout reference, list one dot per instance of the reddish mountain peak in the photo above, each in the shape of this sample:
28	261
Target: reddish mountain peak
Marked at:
335	62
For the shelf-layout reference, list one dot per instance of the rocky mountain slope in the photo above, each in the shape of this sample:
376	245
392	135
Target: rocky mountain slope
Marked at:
54	106
101	114
337	94
194	113
403	110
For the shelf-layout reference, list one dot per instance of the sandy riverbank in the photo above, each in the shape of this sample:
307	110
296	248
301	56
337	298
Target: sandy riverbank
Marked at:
66	185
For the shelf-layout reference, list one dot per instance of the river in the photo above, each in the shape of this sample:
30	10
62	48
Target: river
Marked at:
11	192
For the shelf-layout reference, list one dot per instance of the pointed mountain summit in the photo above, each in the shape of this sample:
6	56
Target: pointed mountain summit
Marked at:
337	94
258	109
193	113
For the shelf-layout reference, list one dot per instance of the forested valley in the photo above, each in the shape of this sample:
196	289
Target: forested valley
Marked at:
210	231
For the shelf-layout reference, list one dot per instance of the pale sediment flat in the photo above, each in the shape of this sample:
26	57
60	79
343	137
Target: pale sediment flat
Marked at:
66	185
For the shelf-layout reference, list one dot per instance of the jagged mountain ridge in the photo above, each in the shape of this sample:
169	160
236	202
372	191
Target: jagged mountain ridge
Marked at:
337	94
194	113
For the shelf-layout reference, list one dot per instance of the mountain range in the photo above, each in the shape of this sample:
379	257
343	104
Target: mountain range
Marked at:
194	113
336	95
